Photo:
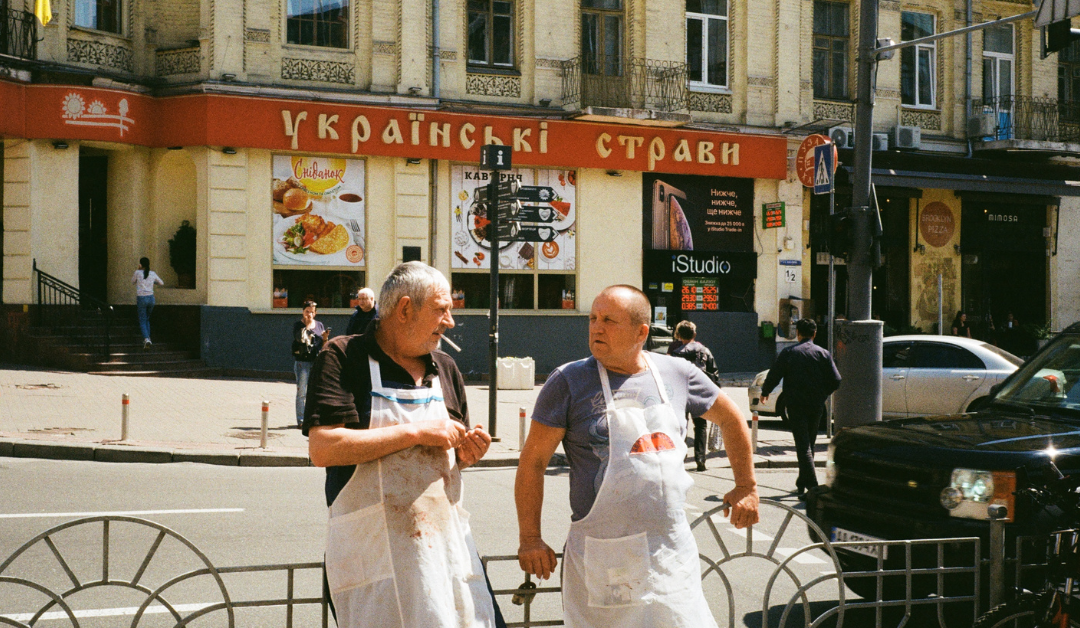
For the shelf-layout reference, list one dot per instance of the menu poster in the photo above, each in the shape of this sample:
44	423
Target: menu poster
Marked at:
319	213
468	226
692	212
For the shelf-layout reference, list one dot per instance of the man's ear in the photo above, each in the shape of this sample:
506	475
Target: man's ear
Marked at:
643	332
405	308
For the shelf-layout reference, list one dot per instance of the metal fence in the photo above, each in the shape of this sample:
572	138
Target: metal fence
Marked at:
66	310
1031	118
18	30
764	575
638	83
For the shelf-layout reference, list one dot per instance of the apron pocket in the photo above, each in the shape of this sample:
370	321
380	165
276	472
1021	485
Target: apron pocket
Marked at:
617	570
358	549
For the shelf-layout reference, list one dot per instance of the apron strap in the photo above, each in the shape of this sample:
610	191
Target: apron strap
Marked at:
376	379
656	375
606	382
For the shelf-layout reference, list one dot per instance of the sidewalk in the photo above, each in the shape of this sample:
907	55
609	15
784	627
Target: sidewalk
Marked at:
76	416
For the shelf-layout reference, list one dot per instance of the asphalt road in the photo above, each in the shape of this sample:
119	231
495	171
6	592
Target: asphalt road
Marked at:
261	516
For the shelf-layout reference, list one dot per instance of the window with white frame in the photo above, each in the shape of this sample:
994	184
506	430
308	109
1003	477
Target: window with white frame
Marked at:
491	33
918	64
998	63
707	42
102	15
318	23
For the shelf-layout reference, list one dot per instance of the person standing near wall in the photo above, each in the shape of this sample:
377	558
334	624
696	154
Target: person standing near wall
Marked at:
364	314
309	335
960	325
144	280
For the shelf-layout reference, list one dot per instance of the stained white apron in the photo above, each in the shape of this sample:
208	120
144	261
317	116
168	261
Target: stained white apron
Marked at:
399	551
632	562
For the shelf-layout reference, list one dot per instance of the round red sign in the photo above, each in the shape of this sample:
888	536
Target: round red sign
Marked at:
936	224
804	159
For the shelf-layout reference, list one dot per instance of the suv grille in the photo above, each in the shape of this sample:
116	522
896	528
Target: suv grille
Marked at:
892	486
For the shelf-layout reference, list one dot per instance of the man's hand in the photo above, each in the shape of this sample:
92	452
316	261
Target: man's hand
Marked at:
536	558
473	447
764	398
744	506
442	433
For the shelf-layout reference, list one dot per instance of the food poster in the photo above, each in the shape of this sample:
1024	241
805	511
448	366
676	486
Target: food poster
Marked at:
697	213
469	244
318	211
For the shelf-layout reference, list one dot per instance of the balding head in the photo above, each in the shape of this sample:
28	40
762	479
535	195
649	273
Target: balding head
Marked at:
618	327
636	302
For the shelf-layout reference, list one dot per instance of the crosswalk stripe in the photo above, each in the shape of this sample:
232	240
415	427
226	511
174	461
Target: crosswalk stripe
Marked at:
130	611
804	558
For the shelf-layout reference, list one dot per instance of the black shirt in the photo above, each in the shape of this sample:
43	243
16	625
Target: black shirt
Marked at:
339	391
809	374
360	320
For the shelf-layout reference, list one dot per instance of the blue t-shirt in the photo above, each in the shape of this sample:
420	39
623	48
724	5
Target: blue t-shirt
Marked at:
573	399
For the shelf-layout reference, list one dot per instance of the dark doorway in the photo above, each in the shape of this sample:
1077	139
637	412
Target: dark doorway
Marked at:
1004	264
93	222
819	269
891	301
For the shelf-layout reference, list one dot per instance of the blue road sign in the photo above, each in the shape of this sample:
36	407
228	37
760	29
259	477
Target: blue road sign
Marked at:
824	168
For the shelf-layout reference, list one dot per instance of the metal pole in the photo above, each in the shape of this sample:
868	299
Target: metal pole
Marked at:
998	514
832	308
265	423
940	308
753	429
521	428
493	361
125	404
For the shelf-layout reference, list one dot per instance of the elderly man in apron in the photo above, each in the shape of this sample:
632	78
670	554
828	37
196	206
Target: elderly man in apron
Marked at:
387	416
630	558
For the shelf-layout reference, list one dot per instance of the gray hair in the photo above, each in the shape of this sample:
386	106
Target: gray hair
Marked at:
415	280
366	291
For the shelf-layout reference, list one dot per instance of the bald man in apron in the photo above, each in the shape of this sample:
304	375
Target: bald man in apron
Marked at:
630	558
388	418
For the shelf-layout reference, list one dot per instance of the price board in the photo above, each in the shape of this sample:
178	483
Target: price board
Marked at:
772	215
700	293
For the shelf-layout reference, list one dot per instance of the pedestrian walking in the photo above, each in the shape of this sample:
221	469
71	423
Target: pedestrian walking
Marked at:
389	421
144	280
960	325
809	376
366	311
630	559
688	348
309	336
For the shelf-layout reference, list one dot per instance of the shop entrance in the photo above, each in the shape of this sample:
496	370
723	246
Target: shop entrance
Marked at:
93	221
1004	268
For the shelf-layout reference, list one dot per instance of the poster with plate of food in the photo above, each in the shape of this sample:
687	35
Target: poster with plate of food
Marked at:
318	211
468	226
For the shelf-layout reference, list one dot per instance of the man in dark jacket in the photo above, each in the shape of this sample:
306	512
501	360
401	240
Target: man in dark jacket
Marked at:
689	349
810	376
364	314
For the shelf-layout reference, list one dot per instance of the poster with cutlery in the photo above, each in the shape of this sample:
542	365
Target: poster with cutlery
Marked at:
469	222
318	211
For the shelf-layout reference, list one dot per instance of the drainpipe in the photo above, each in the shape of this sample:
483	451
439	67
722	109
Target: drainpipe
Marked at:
435	46
967	75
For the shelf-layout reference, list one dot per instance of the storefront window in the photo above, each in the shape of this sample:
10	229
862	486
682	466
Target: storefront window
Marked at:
532	275
102	15
327	288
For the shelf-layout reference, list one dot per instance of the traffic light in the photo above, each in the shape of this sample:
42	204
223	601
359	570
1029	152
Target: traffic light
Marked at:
1057	36
840	226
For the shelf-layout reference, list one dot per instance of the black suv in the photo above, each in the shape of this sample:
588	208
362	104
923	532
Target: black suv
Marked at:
934	477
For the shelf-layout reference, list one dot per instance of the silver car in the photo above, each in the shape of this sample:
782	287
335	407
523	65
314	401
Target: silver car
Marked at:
920	376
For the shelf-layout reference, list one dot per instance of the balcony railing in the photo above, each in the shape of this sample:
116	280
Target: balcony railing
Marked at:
1030	118
639	84
17	34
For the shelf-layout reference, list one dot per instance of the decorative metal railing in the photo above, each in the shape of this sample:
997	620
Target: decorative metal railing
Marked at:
638	84
18	30
66	310
1031	118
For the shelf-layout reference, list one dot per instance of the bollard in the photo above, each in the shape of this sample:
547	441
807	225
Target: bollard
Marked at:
753	429
125	404
521	427
998	514
265	423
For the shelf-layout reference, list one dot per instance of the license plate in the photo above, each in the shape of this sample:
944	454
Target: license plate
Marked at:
840	535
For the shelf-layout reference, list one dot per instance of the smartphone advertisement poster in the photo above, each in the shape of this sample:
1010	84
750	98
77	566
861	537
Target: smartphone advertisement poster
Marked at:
697	213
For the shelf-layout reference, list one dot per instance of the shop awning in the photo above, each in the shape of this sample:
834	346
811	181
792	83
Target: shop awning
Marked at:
975	183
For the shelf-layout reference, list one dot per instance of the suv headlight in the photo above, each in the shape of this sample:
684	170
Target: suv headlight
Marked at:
971	491
830	465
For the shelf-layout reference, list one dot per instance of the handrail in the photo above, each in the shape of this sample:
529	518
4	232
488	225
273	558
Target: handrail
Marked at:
64	308
639	83
17	34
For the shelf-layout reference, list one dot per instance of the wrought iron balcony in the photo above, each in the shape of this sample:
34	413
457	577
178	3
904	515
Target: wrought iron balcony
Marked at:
635	84
1026	118
17	34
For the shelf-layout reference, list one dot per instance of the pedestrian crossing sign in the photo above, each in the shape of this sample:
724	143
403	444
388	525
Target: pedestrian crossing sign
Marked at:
824	168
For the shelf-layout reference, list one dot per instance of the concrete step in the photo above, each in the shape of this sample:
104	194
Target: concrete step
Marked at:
190	373
136	354
140	365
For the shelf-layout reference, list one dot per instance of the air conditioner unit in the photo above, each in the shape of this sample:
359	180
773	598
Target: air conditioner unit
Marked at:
907	137
879	141
842	136
982	125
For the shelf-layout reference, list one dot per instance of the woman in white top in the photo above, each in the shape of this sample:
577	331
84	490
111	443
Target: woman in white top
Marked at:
144	280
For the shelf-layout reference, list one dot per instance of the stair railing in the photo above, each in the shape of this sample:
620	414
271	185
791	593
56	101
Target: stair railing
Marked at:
67	310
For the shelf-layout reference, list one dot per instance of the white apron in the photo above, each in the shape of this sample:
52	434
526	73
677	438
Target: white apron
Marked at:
399	551
632	562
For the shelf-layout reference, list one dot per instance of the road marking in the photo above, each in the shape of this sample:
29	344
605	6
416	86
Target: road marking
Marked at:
119	513
155	609
804	558
758	536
